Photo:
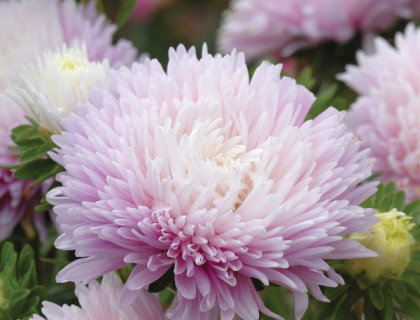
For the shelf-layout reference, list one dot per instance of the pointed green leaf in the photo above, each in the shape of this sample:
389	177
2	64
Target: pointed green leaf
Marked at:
368	310
125	12
410	308
376	295
399	201
398	288
19	294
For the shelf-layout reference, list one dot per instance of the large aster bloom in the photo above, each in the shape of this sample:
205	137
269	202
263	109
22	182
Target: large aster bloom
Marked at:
281	27
385	116
32	27
205	174
100	301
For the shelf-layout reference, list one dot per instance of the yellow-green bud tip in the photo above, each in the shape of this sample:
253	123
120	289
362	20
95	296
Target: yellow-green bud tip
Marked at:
391	239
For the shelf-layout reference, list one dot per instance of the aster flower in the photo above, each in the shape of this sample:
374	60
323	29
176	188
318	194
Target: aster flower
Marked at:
100	301
201	175
47	24
385	114
63	78
281	27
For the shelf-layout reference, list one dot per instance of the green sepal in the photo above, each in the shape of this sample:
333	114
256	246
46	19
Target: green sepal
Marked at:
398	289
409	307
377	298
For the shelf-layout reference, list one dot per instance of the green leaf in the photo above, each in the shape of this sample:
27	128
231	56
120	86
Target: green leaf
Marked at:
399	201
306	78
389	308
368	310
55	168
100	6
345	304
32	170
19	294
18	284
8	255
398	289
35	152
125	12
167	296
410	308
377	297
43	206
61	263
26	260
386	203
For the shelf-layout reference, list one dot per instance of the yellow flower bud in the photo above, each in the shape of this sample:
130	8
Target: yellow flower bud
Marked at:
392	240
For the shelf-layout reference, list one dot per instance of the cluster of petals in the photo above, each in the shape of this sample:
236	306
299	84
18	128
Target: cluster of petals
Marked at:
281	27
29	28
204	174
51	90
385	115
100	301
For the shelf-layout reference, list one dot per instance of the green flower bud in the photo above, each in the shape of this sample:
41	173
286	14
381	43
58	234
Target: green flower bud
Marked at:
391	239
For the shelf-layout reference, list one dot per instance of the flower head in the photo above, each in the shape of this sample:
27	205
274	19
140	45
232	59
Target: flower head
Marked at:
100	301
392	240
385	114
47	24
63	78
281	27
215	179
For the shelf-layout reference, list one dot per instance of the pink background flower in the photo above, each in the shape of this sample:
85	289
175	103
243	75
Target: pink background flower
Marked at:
281	27
385	116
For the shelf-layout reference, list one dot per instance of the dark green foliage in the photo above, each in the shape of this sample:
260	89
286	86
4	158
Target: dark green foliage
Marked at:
20	296
32	147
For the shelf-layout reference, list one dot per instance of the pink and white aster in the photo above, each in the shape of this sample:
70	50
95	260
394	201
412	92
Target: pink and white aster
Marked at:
385	115
281	27
213	177
100	301
36	25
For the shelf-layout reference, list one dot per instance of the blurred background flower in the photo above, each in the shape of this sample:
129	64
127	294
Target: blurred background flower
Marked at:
384	115
281	27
